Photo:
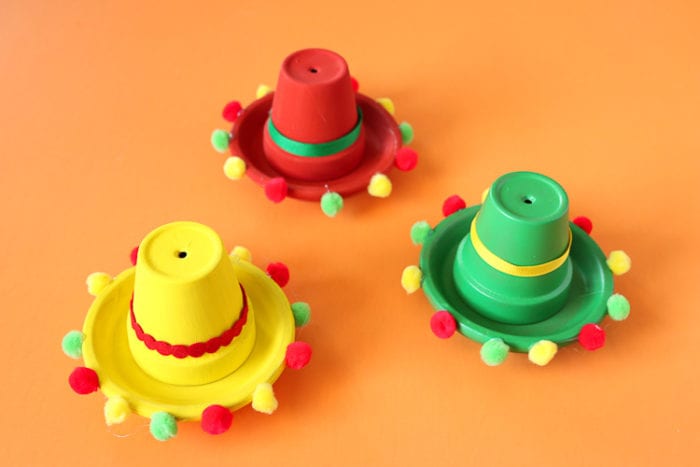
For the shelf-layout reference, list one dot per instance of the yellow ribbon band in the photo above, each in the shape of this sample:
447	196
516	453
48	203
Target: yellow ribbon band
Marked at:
511	269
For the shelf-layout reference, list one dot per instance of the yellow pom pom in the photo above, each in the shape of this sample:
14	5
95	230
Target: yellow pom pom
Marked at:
116	410
619	263
264	399
379	186
242	253
387	104
484	194
542	352
234	168
411	278
262	91
97	281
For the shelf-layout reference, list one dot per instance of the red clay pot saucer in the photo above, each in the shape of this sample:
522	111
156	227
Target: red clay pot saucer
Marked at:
383	140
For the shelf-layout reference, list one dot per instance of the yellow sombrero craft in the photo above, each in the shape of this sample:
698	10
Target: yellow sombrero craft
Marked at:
188	333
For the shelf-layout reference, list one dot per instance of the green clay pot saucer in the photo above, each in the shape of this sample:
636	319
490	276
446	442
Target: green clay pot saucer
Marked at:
591	286
528	281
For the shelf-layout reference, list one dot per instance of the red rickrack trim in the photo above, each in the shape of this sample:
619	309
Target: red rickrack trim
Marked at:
198	348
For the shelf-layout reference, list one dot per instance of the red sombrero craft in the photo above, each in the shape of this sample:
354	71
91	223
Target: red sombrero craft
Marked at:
315	138
514	274
188	333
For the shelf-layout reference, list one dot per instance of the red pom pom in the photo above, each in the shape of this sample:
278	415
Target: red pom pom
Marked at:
84	380
298	355
443	324
452	204
355	84
585	224
406	159
231	111
276	189
592	337
216	419
279	272
134	254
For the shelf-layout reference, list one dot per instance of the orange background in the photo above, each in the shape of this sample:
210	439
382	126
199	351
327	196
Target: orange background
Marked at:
105	123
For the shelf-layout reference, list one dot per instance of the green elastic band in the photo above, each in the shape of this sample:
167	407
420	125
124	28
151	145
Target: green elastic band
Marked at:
319	149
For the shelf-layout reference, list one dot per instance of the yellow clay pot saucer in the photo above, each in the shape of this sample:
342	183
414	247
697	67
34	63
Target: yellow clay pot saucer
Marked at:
106	350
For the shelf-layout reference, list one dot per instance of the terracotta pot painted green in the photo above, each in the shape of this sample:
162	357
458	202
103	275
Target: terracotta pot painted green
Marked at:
523	221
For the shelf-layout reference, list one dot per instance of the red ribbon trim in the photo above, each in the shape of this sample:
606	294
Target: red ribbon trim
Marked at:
198	348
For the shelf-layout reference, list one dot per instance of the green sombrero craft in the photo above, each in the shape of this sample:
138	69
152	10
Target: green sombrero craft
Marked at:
514	274
188	333
315	137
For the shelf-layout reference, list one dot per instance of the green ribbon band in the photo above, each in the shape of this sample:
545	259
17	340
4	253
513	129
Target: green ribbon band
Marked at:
318	149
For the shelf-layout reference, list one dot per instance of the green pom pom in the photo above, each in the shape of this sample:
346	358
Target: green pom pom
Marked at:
419	232
618	307
331	203
406	132
302	313
494	351
72	344
163	426
220	140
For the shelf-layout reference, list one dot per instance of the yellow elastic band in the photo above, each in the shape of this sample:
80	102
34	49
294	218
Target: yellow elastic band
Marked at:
511	269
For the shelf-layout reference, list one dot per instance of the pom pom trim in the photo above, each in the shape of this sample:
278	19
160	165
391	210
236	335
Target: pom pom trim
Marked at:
231	111
379	186
116	410
163	426
411	278
419	232
406	132
264	400
494	351
216	419
220	140
591	337
443	324
619	262
302	313
387	103
452	204
133	256
276	189
584	224
72	344
197	349
84	380
618	307
406	159
234	168
298	355
542	352
242	253
278	272
331	203
262	91
96	282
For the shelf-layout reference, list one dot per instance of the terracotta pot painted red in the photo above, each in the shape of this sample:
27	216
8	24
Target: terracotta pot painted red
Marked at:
316	107
314	103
